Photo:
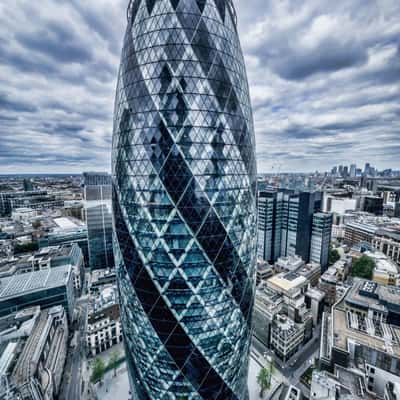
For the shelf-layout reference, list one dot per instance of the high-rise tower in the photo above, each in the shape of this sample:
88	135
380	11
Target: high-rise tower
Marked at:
184	201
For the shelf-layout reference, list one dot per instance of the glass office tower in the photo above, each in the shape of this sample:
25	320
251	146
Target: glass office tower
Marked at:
97	195
184	201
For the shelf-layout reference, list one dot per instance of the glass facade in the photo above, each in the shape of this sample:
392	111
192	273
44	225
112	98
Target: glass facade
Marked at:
97	195
184	201
321	239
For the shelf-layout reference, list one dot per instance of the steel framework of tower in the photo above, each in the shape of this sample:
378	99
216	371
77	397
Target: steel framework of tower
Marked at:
184	201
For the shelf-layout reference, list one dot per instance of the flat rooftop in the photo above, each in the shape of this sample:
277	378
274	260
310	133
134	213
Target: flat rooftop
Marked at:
65	223
21	284
343	332
287	281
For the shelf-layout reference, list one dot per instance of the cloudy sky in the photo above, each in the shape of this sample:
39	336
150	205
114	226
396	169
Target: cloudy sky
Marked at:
324	78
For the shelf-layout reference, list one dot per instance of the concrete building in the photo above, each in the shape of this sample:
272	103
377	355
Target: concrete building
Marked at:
356	232
332	280
388	242
46	258
310	271
343	385
286	336
23	214
65	230
340	205
99	278
363	334
392	391
264	271
33	352
104	326
45	288
315	302
386	272
64	255
268	304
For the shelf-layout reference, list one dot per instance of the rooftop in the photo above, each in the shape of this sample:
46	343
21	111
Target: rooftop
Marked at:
349	326
287	281
20	284
65	223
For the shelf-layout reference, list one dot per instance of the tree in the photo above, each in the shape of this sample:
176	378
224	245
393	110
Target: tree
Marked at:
264	379
98	370
333	256
363	267
26	247
113	361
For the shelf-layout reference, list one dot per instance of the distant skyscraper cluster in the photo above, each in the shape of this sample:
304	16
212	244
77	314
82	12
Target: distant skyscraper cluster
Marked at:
352	171
291	224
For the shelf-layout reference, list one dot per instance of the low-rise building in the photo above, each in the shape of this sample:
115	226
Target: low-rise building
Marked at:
101	277
343	385
356	232
286	336
44	288
33	352
388	242
104	326
363	334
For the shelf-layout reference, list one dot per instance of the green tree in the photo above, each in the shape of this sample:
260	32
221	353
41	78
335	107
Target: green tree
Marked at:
114	361
363	267
264	379
333	256
98	370
26	247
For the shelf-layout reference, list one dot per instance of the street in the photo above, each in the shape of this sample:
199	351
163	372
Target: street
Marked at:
72	383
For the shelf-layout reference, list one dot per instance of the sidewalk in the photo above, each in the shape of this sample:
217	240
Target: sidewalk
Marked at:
257	361
114	387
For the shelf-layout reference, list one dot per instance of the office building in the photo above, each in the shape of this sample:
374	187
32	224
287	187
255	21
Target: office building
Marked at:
44	288
184	201
353	170
269	225
373	205
28	185
32	353
11	200
321	239
358	232
285	224
97	195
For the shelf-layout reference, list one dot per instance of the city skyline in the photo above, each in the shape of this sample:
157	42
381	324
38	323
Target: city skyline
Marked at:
318	95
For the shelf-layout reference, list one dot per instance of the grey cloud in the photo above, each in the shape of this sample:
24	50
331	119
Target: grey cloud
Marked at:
57	42
329	56
319	94
10	104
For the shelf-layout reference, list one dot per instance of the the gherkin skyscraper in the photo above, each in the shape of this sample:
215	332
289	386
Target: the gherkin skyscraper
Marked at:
184	201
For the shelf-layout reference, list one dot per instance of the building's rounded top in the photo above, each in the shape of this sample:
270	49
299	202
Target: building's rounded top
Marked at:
229	4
